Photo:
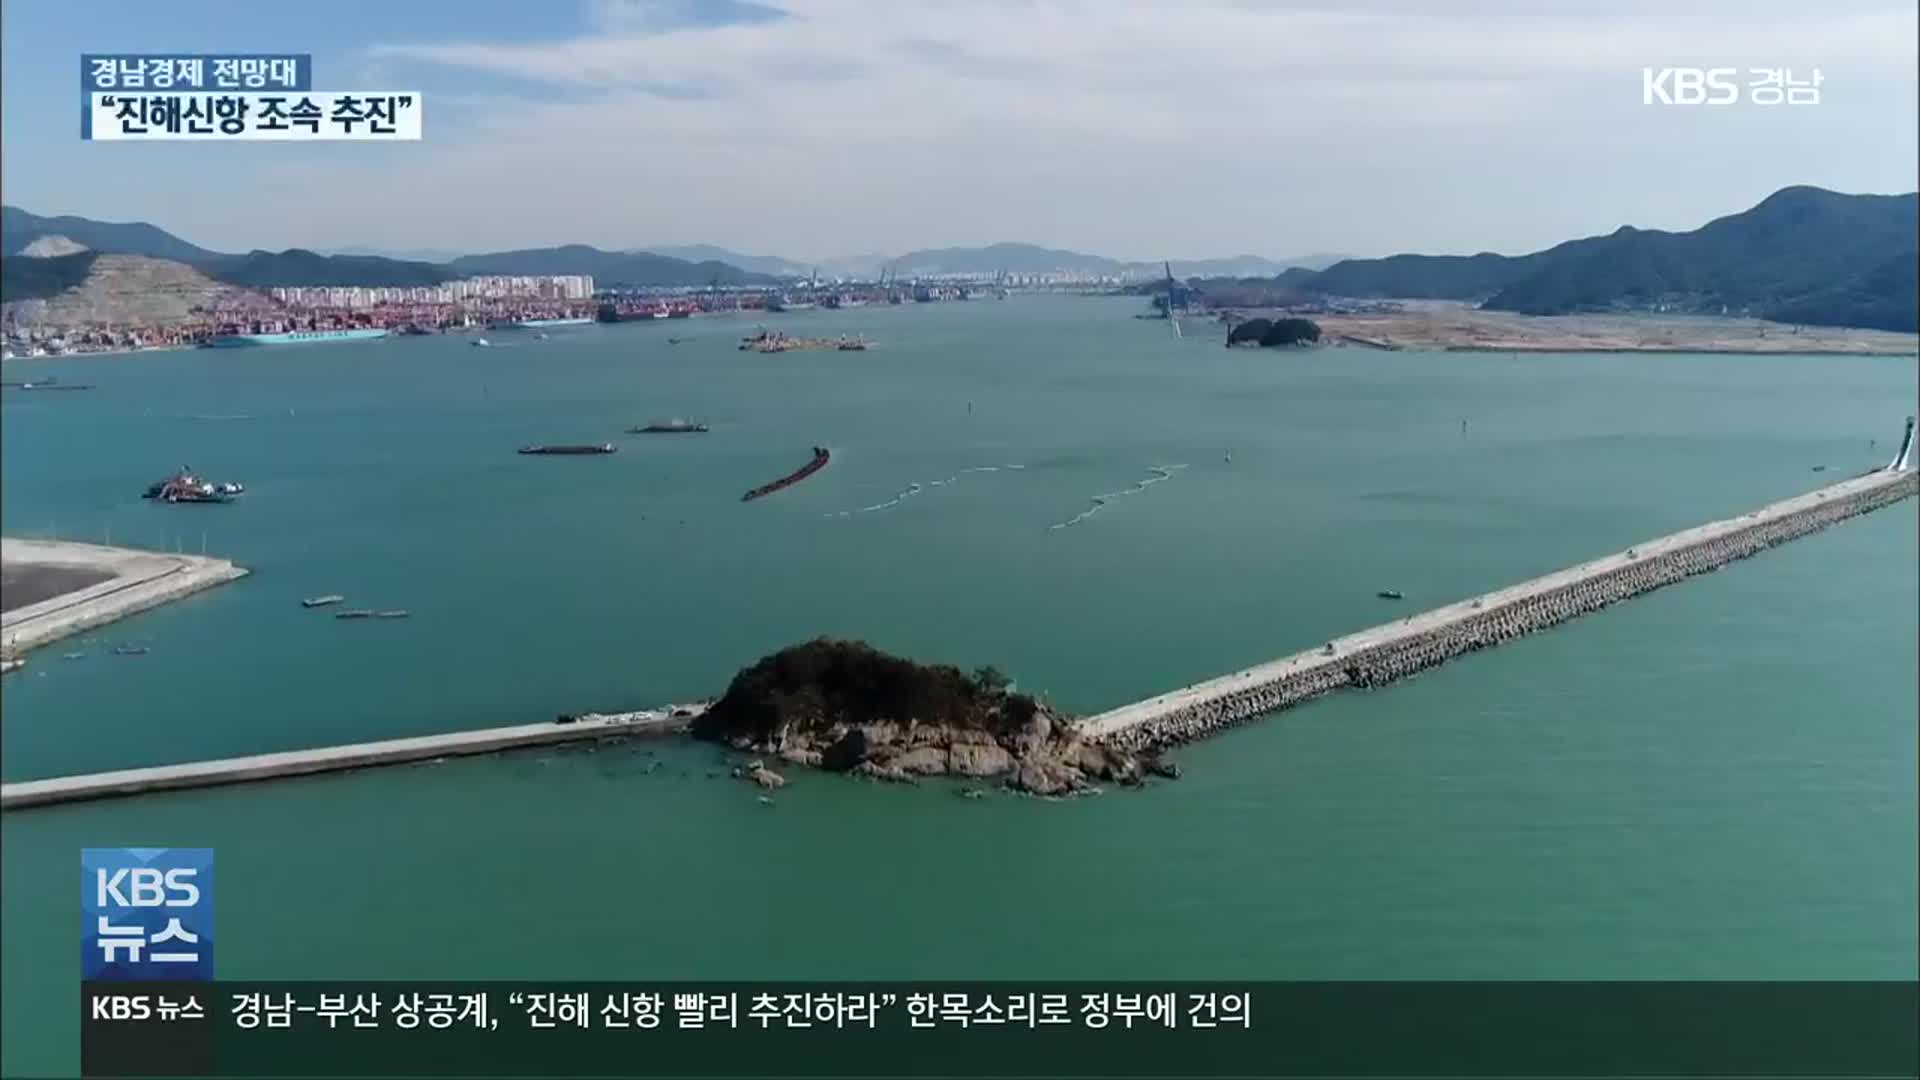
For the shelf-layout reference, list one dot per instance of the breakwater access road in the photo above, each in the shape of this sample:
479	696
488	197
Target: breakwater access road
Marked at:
1386	653
240	770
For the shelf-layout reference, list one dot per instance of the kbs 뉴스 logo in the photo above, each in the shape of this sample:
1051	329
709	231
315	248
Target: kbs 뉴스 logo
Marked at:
146	913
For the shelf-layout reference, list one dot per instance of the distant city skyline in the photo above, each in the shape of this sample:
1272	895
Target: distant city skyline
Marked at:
810	129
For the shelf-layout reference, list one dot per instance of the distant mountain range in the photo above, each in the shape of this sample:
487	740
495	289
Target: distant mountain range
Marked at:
1804	254
431	255
988	260
678	265
607	267
39	278
20	231
772	265
1032	259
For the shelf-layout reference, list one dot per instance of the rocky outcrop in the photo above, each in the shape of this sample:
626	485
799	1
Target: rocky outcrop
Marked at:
846	707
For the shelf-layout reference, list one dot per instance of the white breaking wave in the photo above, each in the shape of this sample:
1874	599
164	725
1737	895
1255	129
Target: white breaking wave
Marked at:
916	488
1100	502
1903	458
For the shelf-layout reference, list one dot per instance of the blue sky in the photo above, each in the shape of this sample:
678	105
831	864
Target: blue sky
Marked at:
810	128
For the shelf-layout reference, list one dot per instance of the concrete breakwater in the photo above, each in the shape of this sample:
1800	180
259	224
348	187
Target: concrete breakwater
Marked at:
581	728
1369	658
1384	654
114	583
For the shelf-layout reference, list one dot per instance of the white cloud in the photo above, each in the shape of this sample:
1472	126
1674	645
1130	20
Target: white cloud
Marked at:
1131	128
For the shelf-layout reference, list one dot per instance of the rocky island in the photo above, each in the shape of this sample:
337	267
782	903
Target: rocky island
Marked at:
847	707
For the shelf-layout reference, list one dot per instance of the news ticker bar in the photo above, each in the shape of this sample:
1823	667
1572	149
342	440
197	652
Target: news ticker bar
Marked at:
1187	1029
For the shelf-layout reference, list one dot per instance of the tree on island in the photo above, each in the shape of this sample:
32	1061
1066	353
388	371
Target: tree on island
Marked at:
991	680
1270	333
1248	332
1291	332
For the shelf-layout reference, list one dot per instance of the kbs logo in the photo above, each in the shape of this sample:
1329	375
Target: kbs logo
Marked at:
146	913
1688	86
1717	86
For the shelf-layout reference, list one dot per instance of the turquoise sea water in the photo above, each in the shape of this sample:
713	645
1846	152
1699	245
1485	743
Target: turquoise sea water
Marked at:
1715	781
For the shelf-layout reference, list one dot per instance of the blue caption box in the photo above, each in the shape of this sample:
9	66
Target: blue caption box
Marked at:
146	913
186	73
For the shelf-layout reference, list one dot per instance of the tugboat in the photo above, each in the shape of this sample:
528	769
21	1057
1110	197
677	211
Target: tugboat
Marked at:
185	487
675	426
602	448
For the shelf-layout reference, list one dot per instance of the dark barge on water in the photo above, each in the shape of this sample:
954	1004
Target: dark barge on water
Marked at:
669	427
820	457
575	448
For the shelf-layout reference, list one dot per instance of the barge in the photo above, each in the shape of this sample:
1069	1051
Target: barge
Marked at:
820	458
582	448
49	383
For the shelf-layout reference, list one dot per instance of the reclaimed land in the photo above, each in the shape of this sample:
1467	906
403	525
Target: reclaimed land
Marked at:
1446	326
1385	654
56	588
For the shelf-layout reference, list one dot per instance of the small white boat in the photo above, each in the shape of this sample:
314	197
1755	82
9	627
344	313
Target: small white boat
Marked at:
480	343
322	601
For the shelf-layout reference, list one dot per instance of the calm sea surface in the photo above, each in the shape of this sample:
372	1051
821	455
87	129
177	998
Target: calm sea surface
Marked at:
1715	781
